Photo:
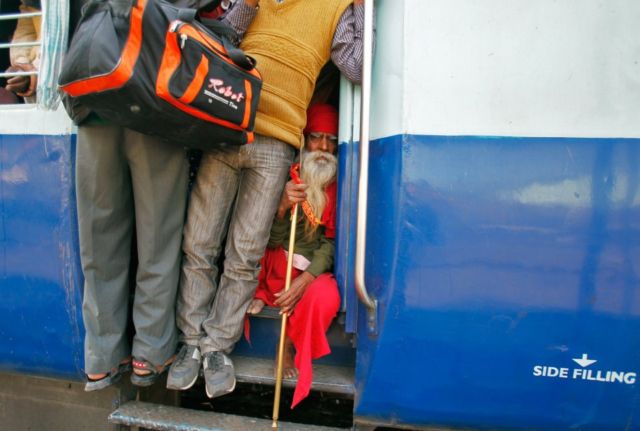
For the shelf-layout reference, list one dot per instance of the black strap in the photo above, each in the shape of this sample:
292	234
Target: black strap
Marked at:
187	15
238	56
121	8
219	28
90	7
227	34
207	5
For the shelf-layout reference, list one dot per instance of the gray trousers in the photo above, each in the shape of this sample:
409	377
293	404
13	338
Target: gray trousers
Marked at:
236	194
126	179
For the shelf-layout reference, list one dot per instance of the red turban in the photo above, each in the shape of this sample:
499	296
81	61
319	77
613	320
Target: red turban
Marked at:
322	118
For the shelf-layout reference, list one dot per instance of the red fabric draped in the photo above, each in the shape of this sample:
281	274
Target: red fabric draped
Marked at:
307	328
310	320
329	213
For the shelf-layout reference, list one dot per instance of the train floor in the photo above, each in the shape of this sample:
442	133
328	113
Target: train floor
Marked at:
30	403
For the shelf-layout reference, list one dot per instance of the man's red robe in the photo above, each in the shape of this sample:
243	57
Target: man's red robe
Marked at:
310	320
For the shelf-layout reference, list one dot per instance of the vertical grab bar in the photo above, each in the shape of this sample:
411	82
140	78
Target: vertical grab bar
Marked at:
363	179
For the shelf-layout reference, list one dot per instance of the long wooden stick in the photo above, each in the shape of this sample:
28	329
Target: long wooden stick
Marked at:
283	327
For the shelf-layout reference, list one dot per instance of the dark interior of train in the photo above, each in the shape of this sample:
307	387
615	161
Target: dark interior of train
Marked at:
6	31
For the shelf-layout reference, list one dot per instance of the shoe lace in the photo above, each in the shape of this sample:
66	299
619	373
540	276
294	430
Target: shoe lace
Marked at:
215	361
184	352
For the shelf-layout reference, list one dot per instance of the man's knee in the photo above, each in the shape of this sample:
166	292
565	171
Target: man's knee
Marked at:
323	295
241	270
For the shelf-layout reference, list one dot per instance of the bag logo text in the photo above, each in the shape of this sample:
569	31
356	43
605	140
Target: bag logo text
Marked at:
219	87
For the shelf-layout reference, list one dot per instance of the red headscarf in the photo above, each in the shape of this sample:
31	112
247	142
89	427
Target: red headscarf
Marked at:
322	118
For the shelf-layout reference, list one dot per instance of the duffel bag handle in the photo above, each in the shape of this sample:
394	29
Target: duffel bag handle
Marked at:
219	28
121	8
238	56
89	7
227	34
118	8
187	15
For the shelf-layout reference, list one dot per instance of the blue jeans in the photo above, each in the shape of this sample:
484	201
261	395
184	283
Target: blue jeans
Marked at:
236	195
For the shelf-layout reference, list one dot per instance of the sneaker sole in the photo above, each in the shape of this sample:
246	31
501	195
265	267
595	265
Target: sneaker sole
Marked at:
176	387
102	383
206	389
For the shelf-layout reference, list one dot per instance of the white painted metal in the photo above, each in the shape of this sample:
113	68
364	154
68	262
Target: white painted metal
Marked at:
518	68
29	120
388	77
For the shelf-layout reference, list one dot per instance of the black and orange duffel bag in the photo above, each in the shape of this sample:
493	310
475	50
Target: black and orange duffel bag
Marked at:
150	66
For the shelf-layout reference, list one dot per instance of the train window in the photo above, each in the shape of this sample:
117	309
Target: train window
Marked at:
20	43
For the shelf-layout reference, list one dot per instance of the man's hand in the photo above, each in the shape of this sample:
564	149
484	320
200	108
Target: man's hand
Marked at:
293	194
288	300
23	86
17	84
252	3
357	2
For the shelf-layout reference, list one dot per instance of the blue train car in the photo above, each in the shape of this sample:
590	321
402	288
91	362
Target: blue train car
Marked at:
489	222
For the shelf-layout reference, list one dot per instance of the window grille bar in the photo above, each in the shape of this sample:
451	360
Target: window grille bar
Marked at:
18	44
12	74
9	16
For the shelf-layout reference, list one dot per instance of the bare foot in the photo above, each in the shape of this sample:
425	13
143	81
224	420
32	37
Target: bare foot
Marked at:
97	376
100	376
289	370
255	307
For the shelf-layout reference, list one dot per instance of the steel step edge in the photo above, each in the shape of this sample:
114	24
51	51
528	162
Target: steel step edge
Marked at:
268	312
167	418
326	378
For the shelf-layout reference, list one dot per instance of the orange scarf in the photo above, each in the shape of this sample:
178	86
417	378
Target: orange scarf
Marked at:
306	207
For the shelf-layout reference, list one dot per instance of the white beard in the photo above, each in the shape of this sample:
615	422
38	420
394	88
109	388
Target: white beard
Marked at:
318	171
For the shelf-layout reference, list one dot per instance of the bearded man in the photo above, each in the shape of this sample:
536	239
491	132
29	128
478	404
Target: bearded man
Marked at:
312	299
237	190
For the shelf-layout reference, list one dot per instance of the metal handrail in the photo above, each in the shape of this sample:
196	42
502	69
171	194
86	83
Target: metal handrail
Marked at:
363	180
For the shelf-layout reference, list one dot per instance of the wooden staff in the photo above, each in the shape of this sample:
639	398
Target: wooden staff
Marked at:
283	327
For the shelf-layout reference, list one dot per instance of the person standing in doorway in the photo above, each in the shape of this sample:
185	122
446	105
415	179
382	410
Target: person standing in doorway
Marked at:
237	190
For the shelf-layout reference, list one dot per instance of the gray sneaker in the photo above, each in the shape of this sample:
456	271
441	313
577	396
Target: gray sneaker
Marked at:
219	375
185	369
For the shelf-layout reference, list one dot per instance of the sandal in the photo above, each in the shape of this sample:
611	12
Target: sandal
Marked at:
149	373
113	376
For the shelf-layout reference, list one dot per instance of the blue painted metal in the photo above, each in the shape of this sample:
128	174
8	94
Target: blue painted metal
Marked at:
40	312
41	331
345	232
490	256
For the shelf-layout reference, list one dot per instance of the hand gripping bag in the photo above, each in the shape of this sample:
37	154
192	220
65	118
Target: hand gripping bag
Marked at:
149	66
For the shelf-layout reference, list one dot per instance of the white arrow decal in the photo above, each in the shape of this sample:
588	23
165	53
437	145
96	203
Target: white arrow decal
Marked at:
584	361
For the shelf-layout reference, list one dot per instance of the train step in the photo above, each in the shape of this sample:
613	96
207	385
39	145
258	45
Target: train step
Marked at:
326	378
265	333
165	418
333	375
269	313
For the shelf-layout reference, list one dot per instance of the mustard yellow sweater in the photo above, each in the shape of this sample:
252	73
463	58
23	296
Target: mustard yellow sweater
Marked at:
291	41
